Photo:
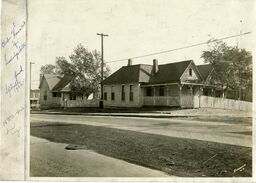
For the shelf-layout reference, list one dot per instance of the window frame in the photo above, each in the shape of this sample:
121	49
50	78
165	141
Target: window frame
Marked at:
149	92
161	91
131	93
72	96
190	71
105	96
45	95
112	95
123	93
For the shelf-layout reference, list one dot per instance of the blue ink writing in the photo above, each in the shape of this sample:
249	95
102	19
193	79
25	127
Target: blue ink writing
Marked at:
16	85
20	49
9	119
16	74
5	41
15	31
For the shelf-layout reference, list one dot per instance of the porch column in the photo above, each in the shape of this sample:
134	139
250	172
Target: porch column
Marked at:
201	90
180	87
192	96
191	89
223	92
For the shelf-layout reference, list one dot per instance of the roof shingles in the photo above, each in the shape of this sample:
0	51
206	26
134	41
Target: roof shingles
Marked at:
57	83
141	73
205	70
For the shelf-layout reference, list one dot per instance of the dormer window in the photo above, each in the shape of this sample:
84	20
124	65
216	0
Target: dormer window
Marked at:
190	72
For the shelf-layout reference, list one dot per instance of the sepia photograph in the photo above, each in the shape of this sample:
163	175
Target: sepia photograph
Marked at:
138	88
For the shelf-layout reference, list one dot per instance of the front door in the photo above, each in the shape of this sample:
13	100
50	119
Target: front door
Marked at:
187	98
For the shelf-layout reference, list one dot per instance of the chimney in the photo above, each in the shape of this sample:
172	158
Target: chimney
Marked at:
155	66
129	62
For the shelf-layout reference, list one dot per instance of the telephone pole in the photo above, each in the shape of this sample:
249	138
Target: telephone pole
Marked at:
102	63
240	76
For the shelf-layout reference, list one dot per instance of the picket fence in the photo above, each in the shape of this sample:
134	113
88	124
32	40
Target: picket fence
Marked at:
82	103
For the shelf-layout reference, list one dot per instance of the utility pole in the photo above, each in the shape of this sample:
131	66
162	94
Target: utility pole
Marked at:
102	63
240	65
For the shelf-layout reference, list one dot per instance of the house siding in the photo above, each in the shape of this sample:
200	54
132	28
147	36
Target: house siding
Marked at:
186	76
51	101
118	102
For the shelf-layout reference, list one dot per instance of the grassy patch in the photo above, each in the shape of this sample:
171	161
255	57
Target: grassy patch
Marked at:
175	156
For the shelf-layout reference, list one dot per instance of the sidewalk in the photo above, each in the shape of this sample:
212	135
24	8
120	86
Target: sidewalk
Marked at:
170	113
49	159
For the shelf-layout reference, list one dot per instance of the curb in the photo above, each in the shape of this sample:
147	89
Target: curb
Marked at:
135	115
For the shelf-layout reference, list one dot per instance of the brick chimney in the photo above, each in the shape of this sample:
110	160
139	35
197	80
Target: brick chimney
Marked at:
129	62
155	66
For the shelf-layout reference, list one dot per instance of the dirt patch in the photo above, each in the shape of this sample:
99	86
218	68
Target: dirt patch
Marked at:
175	156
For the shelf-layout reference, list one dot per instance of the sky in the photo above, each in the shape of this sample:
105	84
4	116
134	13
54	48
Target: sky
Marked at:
135	27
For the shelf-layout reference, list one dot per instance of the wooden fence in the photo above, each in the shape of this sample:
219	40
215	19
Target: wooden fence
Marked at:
81	103
223	103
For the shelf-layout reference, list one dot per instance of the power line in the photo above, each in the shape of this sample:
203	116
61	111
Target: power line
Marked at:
180	48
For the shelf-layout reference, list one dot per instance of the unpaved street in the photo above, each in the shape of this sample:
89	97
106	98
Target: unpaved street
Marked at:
177	147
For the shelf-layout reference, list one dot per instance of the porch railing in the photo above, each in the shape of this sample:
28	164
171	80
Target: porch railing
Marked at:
161	101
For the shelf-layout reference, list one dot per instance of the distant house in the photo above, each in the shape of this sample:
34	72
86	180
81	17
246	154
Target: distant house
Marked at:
34	98
55	91
175	84
51	94
212	86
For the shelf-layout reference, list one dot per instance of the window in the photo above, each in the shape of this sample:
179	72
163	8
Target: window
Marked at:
161	91
72	96
123	93
105	95
131	92
45	95
112	93
55	94
36	95
112	96
190	72
149	92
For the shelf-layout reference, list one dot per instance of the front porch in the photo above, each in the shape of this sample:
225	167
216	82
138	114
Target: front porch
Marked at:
171	95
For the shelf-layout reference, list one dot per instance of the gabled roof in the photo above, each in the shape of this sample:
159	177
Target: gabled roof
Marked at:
205	70
64	81
51	79
130	74
56	82
169	73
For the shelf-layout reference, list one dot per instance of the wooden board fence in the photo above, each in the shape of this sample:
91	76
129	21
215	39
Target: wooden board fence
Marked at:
223	103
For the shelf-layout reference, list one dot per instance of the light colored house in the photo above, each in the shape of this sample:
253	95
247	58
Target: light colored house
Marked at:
212	86
176	84
55	91
34	98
